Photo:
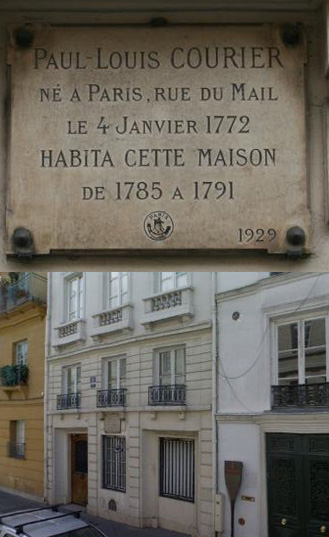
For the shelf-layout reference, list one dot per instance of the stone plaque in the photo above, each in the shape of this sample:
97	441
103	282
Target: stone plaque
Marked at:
112	423
171	139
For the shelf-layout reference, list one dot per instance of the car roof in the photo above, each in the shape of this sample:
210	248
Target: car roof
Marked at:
42	522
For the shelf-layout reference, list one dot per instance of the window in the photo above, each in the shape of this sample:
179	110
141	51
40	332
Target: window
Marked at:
16	447
117	289
21	350
75	298
171	366
72	379
177	469
167	281
114	463
115	374
302	352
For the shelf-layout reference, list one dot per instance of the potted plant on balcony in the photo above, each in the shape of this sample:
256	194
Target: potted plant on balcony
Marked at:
22	374
8	375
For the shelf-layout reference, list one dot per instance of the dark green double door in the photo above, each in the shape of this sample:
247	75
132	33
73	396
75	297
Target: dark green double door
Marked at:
298	485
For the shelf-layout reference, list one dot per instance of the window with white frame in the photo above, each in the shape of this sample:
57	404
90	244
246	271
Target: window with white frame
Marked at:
302	352
21	351
72	379
115	373
168	281
170	366
74	297
114	463
118	289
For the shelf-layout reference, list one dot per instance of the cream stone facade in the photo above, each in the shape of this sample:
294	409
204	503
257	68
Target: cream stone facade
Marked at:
129	397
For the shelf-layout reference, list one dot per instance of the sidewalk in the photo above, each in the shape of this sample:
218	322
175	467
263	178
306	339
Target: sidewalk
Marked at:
12	502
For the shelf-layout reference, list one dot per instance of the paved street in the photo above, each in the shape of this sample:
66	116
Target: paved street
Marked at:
12	502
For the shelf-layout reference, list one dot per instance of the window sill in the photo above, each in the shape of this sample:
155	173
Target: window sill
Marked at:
70	332
175	304
113	320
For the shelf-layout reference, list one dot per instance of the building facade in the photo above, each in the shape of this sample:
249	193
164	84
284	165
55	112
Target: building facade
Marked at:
22	339
272	406
129	388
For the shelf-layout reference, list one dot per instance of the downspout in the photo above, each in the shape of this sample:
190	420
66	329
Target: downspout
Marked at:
214	276
47	354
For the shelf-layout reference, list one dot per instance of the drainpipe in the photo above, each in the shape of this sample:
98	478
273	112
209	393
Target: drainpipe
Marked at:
47	354
214	388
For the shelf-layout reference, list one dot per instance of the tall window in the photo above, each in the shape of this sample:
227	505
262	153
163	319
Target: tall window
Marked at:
75	298
21	350
72	379
177	471
167	281
171	366
302	355
115	373
17	440
117	288
114	463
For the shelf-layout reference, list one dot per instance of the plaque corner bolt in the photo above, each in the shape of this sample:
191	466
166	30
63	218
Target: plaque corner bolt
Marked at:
296	238
291	34
23	37
23	243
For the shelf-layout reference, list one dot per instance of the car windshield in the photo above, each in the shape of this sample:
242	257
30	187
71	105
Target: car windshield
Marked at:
88	531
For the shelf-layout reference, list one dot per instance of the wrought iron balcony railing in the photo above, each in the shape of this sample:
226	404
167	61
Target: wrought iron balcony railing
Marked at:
68	400
111	397
301	395
167	395
16	450
31	287
14	375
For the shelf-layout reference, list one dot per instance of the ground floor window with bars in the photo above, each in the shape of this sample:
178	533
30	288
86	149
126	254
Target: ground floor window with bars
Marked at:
177	472
114	463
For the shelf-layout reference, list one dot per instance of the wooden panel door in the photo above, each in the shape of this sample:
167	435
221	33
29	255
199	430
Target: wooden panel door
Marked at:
79	469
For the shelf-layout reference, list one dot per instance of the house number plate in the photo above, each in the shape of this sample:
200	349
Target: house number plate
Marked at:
157	139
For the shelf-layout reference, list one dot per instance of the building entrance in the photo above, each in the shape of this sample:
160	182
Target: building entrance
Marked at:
298	485
79	468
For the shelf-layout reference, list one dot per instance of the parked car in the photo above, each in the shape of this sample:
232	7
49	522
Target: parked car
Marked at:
46	522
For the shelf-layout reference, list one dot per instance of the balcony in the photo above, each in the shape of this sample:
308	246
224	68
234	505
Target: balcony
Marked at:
68	401
16	450
176	304
30	288
167	395
106	398
14	375
70	332
300	396
117	319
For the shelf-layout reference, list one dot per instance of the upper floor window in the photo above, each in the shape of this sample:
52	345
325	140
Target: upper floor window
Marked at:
118	283
301	352
75	297
166	281
72	379
170	364
21	350
115	373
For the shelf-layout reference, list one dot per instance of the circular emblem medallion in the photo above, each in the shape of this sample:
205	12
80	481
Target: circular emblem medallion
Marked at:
158	226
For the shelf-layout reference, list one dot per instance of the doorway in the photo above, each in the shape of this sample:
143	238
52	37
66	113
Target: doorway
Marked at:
79	468
298	485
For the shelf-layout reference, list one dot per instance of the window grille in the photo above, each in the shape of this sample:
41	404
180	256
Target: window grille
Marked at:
114	463
177	473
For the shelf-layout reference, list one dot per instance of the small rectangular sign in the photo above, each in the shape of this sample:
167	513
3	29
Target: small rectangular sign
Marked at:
146	139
